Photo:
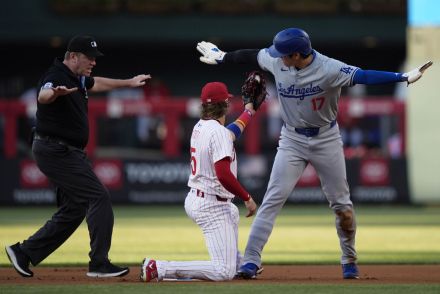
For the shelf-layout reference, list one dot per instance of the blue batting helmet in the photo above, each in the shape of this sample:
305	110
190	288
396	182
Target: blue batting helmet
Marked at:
289	41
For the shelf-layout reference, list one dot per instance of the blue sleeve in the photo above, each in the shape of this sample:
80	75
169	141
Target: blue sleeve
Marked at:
374	77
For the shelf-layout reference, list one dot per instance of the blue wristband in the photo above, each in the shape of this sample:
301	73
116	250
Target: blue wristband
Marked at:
235	129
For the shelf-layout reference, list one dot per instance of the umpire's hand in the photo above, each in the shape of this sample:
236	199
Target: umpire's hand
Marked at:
49	94
138	81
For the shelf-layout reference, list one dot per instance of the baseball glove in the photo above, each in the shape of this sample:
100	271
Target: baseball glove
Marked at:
254	89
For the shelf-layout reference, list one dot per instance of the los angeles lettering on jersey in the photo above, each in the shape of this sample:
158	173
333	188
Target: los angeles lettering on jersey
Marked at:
299	93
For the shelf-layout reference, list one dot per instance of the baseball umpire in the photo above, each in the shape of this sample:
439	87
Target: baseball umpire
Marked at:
61	134
308	85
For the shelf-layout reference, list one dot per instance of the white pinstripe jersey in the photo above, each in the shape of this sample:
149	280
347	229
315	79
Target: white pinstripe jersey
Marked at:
210	142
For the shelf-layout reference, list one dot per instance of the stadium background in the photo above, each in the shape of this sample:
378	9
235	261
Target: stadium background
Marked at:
139	139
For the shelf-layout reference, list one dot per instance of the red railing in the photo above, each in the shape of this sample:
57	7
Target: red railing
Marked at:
173	110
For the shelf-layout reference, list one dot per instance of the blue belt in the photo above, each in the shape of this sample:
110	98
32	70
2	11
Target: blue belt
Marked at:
311	132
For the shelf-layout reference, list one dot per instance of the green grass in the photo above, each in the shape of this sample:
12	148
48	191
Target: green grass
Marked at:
302	235
194	288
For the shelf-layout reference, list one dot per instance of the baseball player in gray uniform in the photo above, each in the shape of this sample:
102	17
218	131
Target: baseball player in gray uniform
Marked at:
309	86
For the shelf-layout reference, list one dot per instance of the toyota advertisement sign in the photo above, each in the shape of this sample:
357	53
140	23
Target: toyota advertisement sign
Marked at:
371	180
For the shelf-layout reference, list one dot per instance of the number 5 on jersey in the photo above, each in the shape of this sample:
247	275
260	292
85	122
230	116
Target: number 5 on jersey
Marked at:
193	161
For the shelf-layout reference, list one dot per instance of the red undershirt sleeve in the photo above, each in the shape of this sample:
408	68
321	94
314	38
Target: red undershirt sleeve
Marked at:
228	180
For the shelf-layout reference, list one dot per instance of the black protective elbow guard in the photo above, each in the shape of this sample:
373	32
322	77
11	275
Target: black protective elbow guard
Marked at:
247	56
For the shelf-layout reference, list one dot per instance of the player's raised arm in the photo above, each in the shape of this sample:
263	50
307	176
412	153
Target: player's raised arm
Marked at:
374	77
211	54
253	93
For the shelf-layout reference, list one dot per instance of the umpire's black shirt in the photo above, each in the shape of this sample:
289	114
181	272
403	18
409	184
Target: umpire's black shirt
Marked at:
66	117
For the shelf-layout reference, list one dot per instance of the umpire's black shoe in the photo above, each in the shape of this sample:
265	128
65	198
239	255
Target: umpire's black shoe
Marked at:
19	260
106	270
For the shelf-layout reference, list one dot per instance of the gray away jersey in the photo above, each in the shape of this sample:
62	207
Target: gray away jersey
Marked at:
308	97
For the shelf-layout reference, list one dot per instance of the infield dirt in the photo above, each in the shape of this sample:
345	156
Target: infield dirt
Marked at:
298	274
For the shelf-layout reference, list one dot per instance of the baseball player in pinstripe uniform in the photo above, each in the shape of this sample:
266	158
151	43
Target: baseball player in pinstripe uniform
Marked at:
308	85
213	185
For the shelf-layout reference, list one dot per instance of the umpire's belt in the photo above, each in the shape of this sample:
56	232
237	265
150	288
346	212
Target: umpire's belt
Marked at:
201	194
311	132
54	140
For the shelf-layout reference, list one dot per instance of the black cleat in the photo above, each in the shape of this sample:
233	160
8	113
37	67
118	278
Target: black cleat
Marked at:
19	260
106	270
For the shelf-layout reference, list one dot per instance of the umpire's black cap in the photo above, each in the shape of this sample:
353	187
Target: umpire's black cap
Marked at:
84	44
